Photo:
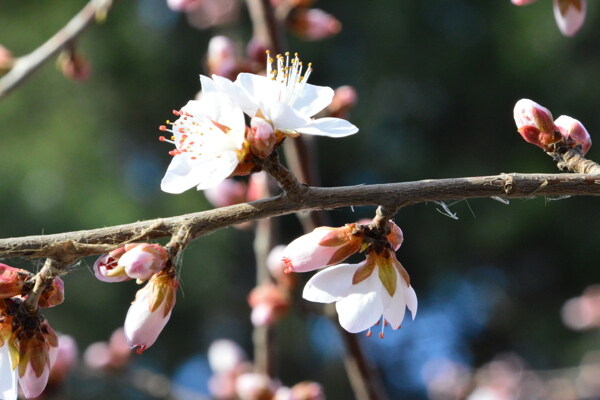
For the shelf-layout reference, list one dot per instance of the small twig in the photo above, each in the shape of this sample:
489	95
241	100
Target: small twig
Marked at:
24	66
284	177
571	160
49	271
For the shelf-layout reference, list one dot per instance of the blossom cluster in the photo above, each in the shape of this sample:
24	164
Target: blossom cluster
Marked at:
151	309
375	289
535	124
235	378
212	141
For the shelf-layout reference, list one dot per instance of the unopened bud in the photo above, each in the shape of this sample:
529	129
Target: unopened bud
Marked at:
105	267
261	137
258	186
227	193
144	260
12	281
6	60
314	24
344	100
222	58
574	133
66	360
269	303
569	15
321	247
150	311
74	66
535	124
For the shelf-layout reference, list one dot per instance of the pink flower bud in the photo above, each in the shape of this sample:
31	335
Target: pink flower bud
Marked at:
323	246
261	137
53	295
257	186
144	260
97	356
66	360
307	391
535	124
252	386
226	193
314	24
225	356
150	311
74	66
12	281
255	53
344	100
6	60
269	303
569	15
111	356
105	267
222	57
120	352
37	349
574	132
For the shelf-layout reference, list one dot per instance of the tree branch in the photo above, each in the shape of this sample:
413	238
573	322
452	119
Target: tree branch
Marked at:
24	66
71	246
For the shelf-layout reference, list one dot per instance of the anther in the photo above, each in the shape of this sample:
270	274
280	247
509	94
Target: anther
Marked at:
162	128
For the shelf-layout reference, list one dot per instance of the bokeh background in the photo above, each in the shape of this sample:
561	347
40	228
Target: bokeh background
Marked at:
437	81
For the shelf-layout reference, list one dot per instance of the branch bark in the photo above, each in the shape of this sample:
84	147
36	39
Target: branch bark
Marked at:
71	246
28	64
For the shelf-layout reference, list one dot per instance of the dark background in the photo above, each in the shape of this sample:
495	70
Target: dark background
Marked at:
437	81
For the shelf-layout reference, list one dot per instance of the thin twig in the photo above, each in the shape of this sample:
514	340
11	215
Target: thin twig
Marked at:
24	66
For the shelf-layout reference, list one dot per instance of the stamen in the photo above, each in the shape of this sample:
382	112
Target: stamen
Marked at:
369	333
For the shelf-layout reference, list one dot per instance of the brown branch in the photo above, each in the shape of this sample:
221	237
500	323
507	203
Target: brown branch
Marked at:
24	66
70	246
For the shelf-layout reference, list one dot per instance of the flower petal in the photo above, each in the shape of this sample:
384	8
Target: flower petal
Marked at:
254	90
284	117
313	99
395	307
331	284
332	127
183	174
8	376
411	301
362	308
